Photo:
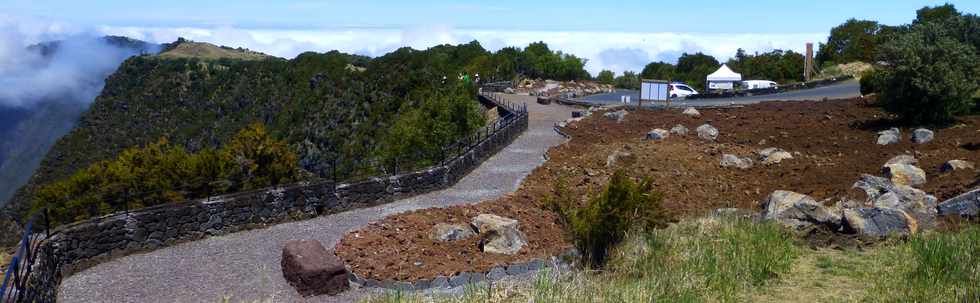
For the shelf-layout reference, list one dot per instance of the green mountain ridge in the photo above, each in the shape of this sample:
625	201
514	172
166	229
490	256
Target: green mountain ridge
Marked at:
324	109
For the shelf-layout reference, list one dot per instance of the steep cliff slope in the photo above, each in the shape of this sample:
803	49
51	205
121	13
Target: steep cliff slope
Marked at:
335	117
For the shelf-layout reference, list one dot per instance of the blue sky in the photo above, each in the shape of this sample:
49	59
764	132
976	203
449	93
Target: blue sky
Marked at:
617	35
764	16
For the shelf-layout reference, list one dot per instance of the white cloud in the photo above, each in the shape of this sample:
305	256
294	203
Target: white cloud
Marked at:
73	73
617	51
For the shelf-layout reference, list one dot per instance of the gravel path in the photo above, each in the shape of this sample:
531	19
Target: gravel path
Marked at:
244	266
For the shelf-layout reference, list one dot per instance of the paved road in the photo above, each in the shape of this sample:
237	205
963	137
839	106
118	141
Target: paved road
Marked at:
244	266
847	89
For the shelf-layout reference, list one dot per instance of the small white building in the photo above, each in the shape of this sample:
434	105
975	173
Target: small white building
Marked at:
723	79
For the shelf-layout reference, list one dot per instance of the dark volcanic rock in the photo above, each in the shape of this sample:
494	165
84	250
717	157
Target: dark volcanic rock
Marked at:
966	205
879	222
799	211
313	270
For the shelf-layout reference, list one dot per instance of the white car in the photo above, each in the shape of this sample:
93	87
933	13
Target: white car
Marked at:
757	84
681	90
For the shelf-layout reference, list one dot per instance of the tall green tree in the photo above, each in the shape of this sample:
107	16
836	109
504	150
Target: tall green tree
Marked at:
929	76
628	80
658	71
855	40
777	65
606	77
693	69
940	13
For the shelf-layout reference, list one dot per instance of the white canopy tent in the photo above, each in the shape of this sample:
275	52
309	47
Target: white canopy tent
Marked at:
723	78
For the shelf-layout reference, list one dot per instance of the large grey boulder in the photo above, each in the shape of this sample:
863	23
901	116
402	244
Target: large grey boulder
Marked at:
618	116
772	155
500	235
914	202
798	211
729	160
707	132
874	186
966	205
922	135
905	174
692	112
450	232
956	165
679	130
903	159
658	134
879	222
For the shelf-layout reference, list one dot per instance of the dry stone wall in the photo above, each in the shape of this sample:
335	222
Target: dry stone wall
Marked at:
77	246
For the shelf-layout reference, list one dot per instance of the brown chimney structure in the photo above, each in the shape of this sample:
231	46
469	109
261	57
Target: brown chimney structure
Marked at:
808	65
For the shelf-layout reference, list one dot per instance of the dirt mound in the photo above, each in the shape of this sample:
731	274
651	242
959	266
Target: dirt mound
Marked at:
399	247
832	143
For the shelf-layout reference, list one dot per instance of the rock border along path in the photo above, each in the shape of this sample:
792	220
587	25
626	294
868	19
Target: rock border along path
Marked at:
244	266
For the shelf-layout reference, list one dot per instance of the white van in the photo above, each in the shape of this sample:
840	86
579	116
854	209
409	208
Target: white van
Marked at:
681	90
759	84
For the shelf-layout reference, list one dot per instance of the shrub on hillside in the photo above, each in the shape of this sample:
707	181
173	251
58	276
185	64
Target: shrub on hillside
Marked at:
605	220
428	125
929	76
253	159
871	82
161	172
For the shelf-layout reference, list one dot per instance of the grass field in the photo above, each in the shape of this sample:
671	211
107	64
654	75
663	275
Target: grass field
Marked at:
732	260
209	51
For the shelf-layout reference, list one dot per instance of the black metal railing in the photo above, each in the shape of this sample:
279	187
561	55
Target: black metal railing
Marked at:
499	86
16	285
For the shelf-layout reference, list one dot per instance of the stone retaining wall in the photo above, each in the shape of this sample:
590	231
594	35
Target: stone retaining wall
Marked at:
78	246
565	261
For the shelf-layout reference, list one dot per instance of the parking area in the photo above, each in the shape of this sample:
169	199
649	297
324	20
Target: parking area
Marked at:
847	89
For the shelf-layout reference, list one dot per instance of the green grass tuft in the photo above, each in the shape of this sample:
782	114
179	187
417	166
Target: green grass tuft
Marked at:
939	267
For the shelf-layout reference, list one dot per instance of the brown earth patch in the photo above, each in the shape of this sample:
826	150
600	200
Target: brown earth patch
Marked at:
833	143
399	247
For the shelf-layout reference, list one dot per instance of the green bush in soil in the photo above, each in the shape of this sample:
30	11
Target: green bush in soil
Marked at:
604	221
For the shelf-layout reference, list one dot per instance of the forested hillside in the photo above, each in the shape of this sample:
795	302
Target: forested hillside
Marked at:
342	115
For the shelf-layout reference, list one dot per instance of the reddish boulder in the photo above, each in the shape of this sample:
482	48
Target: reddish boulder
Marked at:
313	270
